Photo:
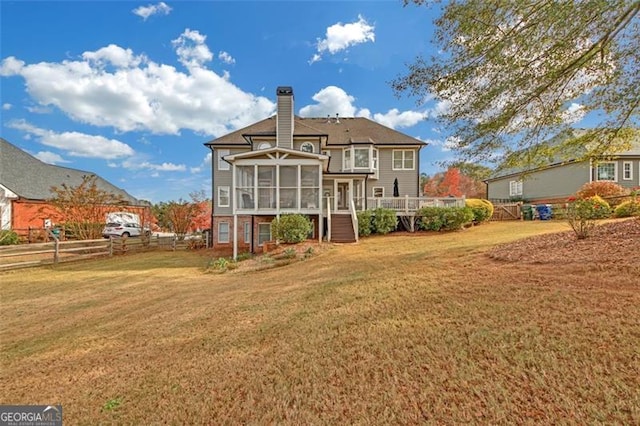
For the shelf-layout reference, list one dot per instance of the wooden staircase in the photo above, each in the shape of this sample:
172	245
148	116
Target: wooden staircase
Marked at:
342	229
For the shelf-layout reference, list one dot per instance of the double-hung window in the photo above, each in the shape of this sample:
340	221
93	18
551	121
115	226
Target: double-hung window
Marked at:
223	196
515	188
223	232
627	170
223	165
404	159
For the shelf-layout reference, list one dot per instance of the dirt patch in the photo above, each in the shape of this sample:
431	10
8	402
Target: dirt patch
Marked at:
612	244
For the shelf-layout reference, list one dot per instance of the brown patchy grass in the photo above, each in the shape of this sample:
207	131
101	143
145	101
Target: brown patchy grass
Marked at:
401	329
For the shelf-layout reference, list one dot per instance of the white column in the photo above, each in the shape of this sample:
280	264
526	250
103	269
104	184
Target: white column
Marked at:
235	236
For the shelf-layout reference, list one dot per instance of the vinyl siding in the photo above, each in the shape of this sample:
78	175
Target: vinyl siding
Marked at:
635	171
408	180
223	178
554	182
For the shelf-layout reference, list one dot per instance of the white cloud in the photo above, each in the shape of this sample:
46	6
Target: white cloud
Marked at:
206	164
574	113
332	100
114	55
152	9
136	94
341	36
7	106
38	109
11	66
395	119
191	49
136	163
226	58
50	157
76	144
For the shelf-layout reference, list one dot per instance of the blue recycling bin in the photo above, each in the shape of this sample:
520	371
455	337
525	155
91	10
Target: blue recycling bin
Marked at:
544	211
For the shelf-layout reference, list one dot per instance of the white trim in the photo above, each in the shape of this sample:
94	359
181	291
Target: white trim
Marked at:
222	164
624	172
373	191
220	189
615	171
270	236
264	145
307	143
515	188
246	232
220	232
403	151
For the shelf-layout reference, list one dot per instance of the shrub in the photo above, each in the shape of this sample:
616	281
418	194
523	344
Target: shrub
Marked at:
384	221
455	218
628	209
430	219
583	213
602	188
8	238
365	223
482	209
291	228
444	218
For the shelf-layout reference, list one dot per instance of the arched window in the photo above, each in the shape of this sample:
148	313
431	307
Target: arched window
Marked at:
264	145
306	147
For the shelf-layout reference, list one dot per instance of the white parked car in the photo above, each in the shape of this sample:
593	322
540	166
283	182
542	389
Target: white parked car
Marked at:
122	230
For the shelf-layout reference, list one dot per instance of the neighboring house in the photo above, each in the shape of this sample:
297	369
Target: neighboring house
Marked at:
326	168
25	187
558	181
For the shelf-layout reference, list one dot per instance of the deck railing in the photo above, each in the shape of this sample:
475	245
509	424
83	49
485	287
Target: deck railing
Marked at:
412	204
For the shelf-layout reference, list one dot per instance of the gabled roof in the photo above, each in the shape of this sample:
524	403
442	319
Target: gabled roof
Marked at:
344	131
30	178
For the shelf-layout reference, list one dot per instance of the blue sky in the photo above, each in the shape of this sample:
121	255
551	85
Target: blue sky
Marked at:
132	90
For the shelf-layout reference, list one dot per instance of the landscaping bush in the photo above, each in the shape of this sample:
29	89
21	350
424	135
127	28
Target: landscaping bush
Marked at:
8	238
482	209
291	228
583	213
628	209
444	218
604	189
455	218
384	221
430	219
365	223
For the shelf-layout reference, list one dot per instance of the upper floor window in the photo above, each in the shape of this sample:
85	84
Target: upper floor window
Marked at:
607	171
306	147
360	158
223	165
264	145
404	159
223	196
515	188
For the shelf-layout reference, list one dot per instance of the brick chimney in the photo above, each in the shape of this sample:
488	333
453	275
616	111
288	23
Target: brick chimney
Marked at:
284	117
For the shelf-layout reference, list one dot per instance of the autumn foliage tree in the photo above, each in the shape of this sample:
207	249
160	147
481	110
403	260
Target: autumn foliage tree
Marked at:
82	207
453	183
183	216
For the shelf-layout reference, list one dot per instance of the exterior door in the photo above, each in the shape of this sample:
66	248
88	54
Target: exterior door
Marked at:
342	196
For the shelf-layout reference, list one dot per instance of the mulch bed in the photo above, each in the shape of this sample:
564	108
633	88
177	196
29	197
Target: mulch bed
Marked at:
615	243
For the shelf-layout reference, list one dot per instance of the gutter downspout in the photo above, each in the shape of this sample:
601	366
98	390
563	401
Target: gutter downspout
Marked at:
213	164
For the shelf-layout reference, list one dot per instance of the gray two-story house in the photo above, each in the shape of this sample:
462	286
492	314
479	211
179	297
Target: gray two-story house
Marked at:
557	181
327	168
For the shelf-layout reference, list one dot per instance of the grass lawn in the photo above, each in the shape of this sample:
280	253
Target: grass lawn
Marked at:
393	330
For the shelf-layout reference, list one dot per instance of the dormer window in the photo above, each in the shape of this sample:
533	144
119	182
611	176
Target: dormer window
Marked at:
306	147
264	145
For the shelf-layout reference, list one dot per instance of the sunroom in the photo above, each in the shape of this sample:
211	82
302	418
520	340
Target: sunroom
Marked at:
275	181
